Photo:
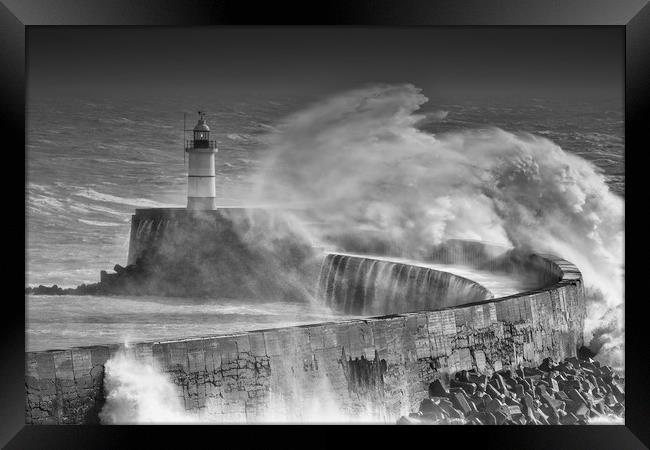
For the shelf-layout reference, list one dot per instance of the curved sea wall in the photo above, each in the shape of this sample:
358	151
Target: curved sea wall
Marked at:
383	362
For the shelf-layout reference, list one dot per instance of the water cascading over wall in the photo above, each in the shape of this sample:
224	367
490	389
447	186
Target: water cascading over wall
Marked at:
368	286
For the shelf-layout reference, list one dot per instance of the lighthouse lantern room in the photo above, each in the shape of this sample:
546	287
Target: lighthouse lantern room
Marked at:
201	189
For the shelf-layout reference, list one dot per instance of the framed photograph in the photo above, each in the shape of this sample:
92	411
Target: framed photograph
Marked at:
358	213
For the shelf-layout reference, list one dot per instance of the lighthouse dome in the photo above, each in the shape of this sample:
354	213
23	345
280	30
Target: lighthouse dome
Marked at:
201	125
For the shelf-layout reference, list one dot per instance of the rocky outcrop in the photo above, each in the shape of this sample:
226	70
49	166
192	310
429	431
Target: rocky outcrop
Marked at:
83	289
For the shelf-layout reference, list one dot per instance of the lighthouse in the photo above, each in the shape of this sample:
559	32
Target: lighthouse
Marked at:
201	189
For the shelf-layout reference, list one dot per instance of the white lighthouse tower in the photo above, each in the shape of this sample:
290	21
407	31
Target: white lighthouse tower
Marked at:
201	189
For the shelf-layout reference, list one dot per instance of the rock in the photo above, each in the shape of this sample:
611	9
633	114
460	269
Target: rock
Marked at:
540	387
436	389
618	409
586	386
493	392
473	403
488	418
460	402
430	410
561	395
406	421
480	381
605	389
500	417
553	385
469	388
532	374
553	403
519	391
618	392
569	419
610	400
493	405
452	412
461	376
519	419
566	368
603	409
118	269
510	383
576	396
579	407
547	365
498	382
510	401
590	367
529	407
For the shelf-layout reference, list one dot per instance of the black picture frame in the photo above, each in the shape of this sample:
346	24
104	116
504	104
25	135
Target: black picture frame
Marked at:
631	15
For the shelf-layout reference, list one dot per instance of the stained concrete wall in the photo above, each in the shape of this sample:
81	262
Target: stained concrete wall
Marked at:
386	362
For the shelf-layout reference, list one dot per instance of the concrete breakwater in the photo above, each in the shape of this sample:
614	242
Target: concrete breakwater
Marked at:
382	363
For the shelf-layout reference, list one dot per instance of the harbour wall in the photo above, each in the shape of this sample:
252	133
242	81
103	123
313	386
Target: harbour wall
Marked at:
383	361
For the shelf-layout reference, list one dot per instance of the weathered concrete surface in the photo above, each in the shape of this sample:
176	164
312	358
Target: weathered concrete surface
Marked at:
387	362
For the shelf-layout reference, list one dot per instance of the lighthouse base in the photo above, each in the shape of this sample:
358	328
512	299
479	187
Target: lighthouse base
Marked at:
234	253
201	203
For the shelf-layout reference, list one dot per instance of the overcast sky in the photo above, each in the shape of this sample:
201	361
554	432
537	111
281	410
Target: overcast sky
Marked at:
463	61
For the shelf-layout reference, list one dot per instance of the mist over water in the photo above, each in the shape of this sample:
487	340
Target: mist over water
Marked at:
363	160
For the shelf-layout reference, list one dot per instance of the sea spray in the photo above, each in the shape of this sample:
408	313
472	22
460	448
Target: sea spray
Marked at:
137	392
361	162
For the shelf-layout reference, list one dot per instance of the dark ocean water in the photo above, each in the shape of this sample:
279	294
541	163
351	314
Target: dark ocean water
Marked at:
92	161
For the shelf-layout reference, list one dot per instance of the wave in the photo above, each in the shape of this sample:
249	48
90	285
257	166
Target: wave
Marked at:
136	202
99	223
93	209
238	137
358	158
